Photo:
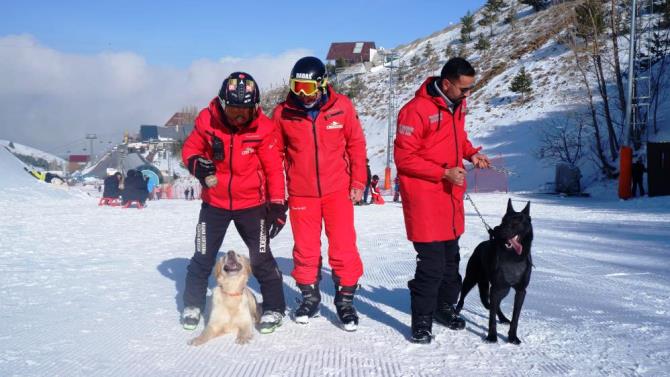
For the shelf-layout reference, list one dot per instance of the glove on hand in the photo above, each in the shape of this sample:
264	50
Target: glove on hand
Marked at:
201	168
276	218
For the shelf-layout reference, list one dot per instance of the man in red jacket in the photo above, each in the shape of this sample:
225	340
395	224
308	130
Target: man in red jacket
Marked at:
430	146
324	151
233	153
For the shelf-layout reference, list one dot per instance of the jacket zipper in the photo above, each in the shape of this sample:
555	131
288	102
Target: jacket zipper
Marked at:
316	157
230	182
453	205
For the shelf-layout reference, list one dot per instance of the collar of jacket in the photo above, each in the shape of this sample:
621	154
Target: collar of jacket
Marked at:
428	92
216	112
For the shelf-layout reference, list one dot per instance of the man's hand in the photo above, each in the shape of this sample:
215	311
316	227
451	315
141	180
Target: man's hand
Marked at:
480	160
201	168
455	175
276	218
356	195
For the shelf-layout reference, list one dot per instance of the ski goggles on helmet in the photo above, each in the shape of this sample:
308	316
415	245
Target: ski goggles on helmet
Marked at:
306	87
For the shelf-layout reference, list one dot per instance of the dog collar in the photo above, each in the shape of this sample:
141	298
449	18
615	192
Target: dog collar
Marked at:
231	294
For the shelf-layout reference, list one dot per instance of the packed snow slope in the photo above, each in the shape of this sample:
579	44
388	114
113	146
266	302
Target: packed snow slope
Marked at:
90	290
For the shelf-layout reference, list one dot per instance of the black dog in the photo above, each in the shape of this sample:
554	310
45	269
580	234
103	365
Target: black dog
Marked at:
500	263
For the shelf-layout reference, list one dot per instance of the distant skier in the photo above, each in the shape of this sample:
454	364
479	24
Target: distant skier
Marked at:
192	193
396	190
638	171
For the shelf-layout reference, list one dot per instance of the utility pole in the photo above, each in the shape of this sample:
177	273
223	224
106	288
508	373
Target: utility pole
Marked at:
91	137
390	58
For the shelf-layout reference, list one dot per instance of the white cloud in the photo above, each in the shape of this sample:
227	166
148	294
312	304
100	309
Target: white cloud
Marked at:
49	98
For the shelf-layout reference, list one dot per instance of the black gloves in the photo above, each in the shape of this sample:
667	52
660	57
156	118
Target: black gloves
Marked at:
201	168
276	218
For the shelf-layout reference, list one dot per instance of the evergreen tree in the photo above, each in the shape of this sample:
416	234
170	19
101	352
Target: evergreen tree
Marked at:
537	5
449	52
490	14
468	27
11	145
482	43
522	83
415	61
589	19
355	88
429	52
340	63
511	17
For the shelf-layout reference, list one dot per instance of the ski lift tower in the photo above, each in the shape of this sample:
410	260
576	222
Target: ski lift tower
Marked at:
638	88
91	137
390	62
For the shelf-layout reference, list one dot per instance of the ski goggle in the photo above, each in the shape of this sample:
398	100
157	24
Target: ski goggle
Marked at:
306	87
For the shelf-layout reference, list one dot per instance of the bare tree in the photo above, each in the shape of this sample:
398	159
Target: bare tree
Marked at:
562	141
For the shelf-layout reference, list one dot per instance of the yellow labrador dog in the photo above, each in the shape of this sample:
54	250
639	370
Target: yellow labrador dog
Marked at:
233	304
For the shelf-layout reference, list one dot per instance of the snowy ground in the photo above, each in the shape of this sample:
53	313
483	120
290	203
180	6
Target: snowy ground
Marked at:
96	291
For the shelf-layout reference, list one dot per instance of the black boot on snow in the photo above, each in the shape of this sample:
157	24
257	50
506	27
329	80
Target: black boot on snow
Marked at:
344	303
421	329
309	307
446	315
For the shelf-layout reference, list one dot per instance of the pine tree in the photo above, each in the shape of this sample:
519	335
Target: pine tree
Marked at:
11	145
449	52
429	52
468	27
537	5
415	61
522	83
490	14
482	43
511	17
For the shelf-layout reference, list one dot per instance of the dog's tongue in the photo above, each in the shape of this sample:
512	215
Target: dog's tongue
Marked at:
516	245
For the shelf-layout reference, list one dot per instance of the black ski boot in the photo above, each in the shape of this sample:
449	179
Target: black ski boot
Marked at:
309	307
421	329
344	303
446	314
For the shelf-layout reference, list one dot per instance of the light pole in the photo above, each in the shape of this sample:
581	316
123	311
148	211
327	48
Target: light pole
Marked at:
390	58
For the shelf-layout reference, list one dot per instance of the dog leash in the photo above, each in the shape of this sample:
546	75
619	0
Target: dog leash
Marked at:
488	228
496	169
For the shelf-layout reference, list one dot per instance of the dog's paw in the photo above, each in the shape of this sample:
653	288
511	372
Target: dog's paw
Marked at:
242	339
196	341
491	339
514	340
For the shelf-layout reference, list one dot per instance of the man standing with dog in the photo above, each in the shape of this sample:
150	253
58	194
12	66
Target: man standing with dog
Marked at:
324	150
430	146
232	151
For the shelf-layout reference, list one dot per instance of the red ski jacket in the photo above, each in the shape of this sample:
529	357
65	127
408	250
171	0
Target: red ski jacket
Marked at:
251	166
325	154
429	139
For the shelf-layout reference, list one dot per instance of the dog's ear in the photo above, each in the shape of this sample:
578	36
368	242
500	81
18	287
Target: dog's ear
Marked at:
526	209
510	209
217	268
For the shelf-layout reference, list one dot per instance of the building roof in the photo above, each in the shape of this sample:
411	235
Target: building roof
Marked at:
180	119
350	51
78	158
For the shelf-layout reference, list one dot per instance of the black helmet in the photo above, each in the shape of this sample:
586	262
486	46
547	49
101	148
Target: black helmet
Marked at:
239	89
309	68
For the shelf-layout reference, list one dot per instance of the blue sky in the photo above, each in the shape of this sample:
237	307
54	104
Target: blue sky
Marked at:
69	68
175	33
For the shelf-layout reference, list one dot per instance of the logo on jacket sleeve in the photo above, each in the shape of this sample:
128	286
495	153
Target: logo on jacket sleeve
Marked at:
405	130
248	150
334	125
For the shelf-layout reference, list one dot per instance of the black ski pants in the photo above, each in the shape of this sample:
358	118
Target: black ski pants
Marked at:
211	229
436	279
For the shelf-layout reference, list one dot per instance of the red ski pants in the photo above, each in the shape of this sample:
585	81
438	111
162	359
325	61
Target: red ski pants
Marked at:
307	216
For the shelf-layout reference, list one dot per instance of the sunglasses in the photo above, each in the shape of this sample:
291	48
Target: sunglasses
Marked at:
306	87
470	88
